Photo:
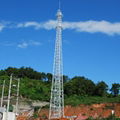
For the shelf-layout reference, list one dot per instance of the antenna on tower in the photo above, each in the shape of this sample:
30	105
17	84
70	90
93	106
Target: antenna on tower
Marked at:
59	4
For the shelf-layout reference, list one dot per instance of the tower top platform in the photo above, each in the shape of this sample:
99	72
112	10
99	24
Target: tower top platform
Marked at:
59	13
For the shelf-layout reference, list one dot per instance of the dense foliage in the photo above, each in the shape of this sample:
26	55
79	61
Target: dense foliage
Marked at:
36	86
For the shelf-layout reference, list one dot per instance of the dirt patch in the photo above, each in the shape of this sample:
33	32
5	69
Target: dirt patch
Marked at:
94	110
82	112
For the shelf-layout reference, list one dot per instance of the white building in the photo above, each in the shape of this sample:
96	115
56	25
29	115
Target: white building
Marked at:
9	116
6	116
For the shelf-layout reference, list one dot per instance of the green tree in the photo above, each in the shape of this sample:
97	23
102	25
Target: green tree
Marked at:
65	78
79	86
2	73
101	89
11	70
49	77
115	89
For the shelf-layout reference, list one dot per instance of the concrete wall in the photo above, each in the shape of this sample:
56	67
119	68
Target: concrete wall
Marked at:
10	116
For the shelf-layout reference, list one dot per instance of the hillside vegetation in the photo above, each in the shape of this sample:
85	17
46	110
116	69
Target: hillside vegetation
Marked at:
78	90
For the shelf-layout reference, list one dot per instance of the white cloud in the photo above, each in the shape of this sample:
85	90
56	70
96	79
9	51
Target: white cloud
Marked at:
2	26
35	43
51	24
5	24
26	44
90	26
23	45
29	24
94	26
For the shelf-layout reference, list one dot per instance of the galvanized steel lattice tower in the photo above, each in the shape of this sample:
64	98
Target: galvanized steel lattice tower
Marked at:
57	93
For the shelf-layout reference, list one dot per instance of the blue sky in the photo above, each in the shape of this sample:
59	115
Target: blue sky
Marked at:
91	36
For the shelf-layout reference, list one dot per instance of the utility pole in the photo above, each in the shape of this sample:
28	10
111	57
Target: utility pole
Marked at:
8	104
17	99
3	88
57	94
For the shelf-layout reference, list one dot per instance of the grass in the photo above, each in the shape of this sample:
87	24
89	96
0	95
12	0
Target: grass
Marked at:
77	100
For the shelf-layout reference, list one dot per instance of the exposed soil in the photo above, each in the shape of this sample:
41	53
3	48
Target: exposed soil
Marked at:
82	112
85	111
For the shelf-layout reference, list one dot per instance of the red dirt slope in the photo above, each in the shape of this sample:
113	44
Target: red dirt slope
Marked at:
82	112
85	111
